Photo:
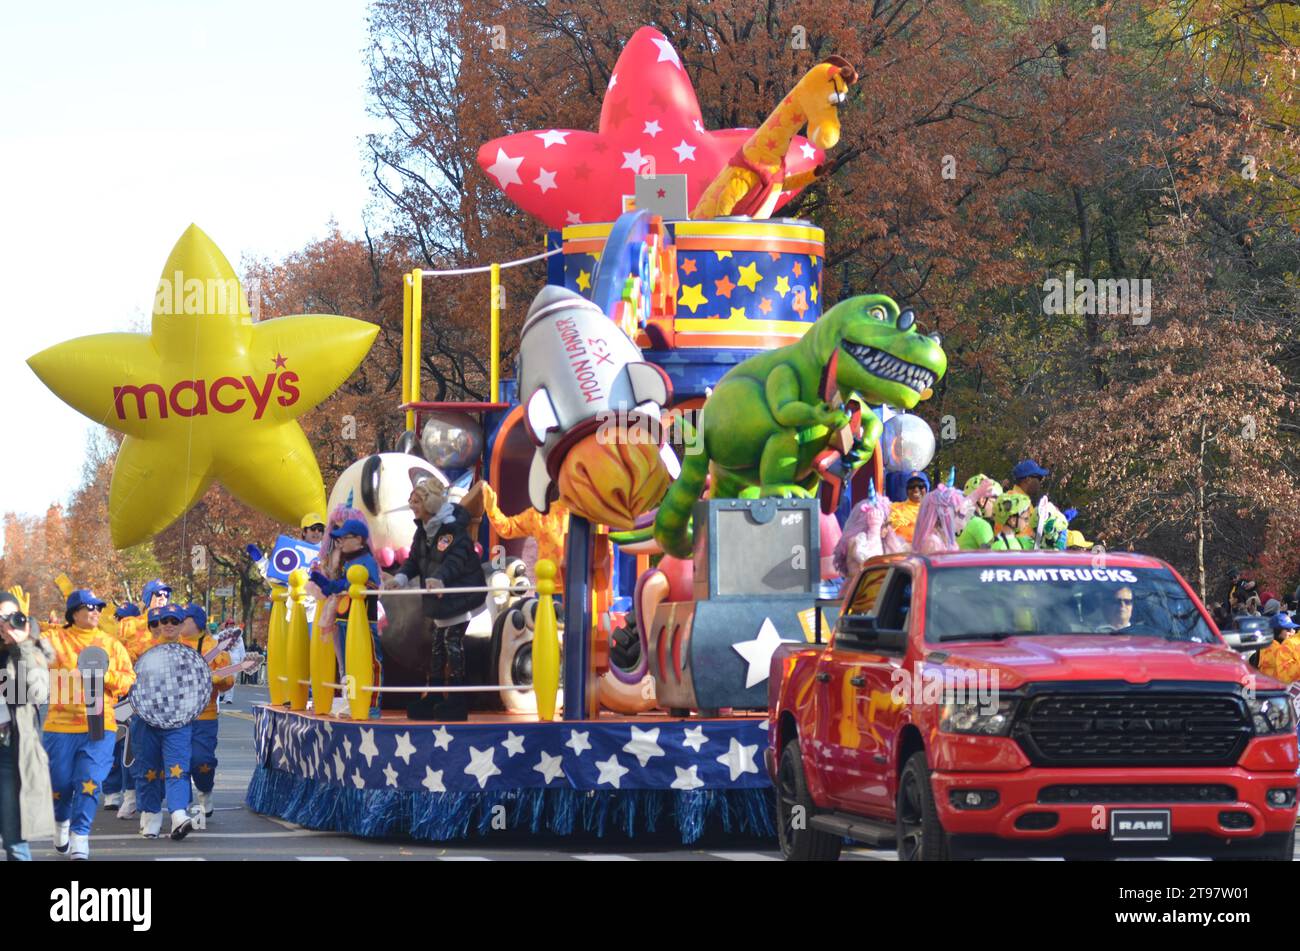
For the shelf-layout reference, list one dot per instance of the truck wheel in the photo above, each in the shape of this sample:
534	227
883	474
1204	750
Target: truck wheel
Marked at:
920	836
794	808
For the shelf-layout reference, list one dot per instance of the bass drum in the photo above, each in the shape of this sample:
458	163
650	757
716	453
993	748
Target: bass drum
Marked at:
172	685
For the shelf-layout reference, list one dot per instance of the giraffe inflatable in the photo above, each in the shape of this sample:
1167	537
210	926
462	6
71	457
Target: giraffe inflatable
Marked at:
754	178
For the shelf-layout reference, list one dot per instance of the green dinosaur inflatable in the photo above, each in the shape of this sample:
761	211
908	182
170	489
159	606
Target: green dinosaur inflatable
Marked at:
766	421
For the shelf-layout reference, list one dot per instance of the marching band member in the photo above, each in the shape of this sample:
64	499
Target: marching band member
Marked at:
78	764
137	635
163	756
203	749
118	776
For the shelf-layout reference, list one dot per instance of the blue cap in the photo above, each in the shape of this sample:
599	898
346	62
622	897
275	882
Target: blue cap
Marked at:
1026	468
81	598
152	588
126	610
1283	622
915	476
196	613
353	526
167	610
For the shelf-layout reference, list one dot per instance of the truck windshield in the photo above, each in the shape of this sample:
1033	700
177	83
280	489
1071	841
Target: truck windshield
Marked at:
970	603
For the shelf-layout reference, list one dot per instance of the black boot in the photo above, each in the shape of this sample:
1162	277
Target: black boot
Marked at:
453	709
423	707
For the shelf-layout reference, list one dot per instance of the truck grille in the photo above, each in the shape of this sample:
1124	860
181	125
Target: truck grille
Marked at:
1134	729
1136	792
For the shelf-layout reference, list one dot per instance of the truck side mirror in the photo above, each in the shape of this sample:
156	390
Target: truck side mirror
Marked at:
857	625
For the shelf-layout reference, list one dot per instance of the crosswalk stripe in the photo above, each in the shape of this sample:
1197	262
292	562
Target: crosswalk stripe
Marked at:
321	858
605	858
180	858
463	858
747	856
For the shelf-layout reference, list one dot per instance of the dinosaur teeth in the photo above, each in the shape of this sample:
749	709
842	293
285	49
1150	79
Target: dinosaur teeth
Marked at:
889	367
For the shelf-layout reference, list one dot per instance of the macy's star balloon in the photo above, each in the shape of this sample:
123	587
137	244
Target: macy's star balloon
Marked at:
650	123
207	396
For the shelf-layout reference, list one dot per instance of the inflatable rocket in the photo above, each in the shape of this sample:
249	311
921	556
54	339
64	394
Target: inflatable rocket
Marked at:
592	408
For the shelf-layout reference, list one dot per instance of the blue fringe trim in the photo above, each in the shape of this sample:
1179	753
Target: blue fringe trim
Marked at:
437	817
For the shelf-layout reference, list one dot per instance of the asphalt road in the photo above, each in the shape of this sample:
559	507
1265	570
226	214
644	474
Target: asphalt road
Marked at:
234	833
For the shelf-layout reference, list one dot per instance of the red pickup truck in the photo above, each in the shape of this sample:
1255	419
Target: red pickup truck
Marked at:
1028	704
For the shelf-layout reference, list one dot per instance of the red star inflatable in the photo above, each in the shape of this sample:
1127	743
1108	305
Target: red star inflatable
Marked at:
566	177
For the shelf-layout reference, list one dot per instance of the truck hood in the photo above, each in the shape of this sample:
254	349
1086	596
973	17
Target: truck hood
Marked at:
1098	657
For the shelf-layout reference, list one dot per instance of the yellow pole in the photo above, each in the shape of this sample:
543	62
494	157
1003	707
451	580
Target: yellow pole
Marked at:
546	642
417	343
495	380
297	650
275	647
359	654
323	667
406	348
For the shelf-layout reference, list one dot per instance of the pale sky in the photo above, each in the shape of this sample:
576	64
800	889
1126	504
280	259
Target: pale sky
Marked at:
121	123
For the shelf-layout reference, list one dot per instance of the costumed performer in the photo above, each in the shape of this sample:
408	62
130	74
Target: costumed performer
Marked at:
312	531
203	731
548	528
902	516
118	777
1281	659
940	519
79	764
163	755
1010	512
983	493
353	538
867	533
137	636
1027	480
442	556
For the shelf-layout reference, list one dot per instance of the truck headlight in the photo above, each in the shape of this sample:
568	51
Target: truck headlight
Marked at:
975	717
1273	714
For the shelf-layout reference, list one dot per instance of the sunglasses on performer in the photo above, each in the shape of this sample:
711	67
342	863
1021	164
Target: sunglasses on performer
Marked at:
170	621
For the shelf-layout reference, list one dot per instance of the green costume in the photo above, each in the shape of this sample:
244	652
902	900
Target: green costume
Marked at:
766	421
978	533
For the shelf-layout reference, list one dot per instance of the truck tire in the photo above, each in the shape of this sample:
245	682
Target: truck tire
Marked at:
1284	852
799	841
919	834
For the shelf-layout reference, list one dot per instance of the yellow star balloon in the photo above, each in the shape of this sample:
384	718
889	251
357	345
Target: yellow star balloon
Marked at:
207	396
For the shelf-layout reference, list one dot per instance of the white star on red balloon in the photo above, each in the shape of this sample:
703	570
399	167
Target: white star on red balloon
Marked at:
567	176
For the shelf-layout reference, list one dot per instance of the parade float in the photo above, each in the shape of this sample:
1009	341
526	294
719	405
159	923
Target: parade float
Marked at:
674	457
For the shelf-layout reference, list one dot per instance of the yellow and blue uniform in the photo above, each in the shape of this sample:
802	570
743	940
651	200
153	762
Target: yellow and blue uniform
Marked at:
78	764
137	637
162	755
118	775
203	747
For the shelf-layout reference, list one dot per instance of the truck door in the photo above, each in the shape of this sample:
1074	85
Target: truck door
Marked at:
843	753
878	683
